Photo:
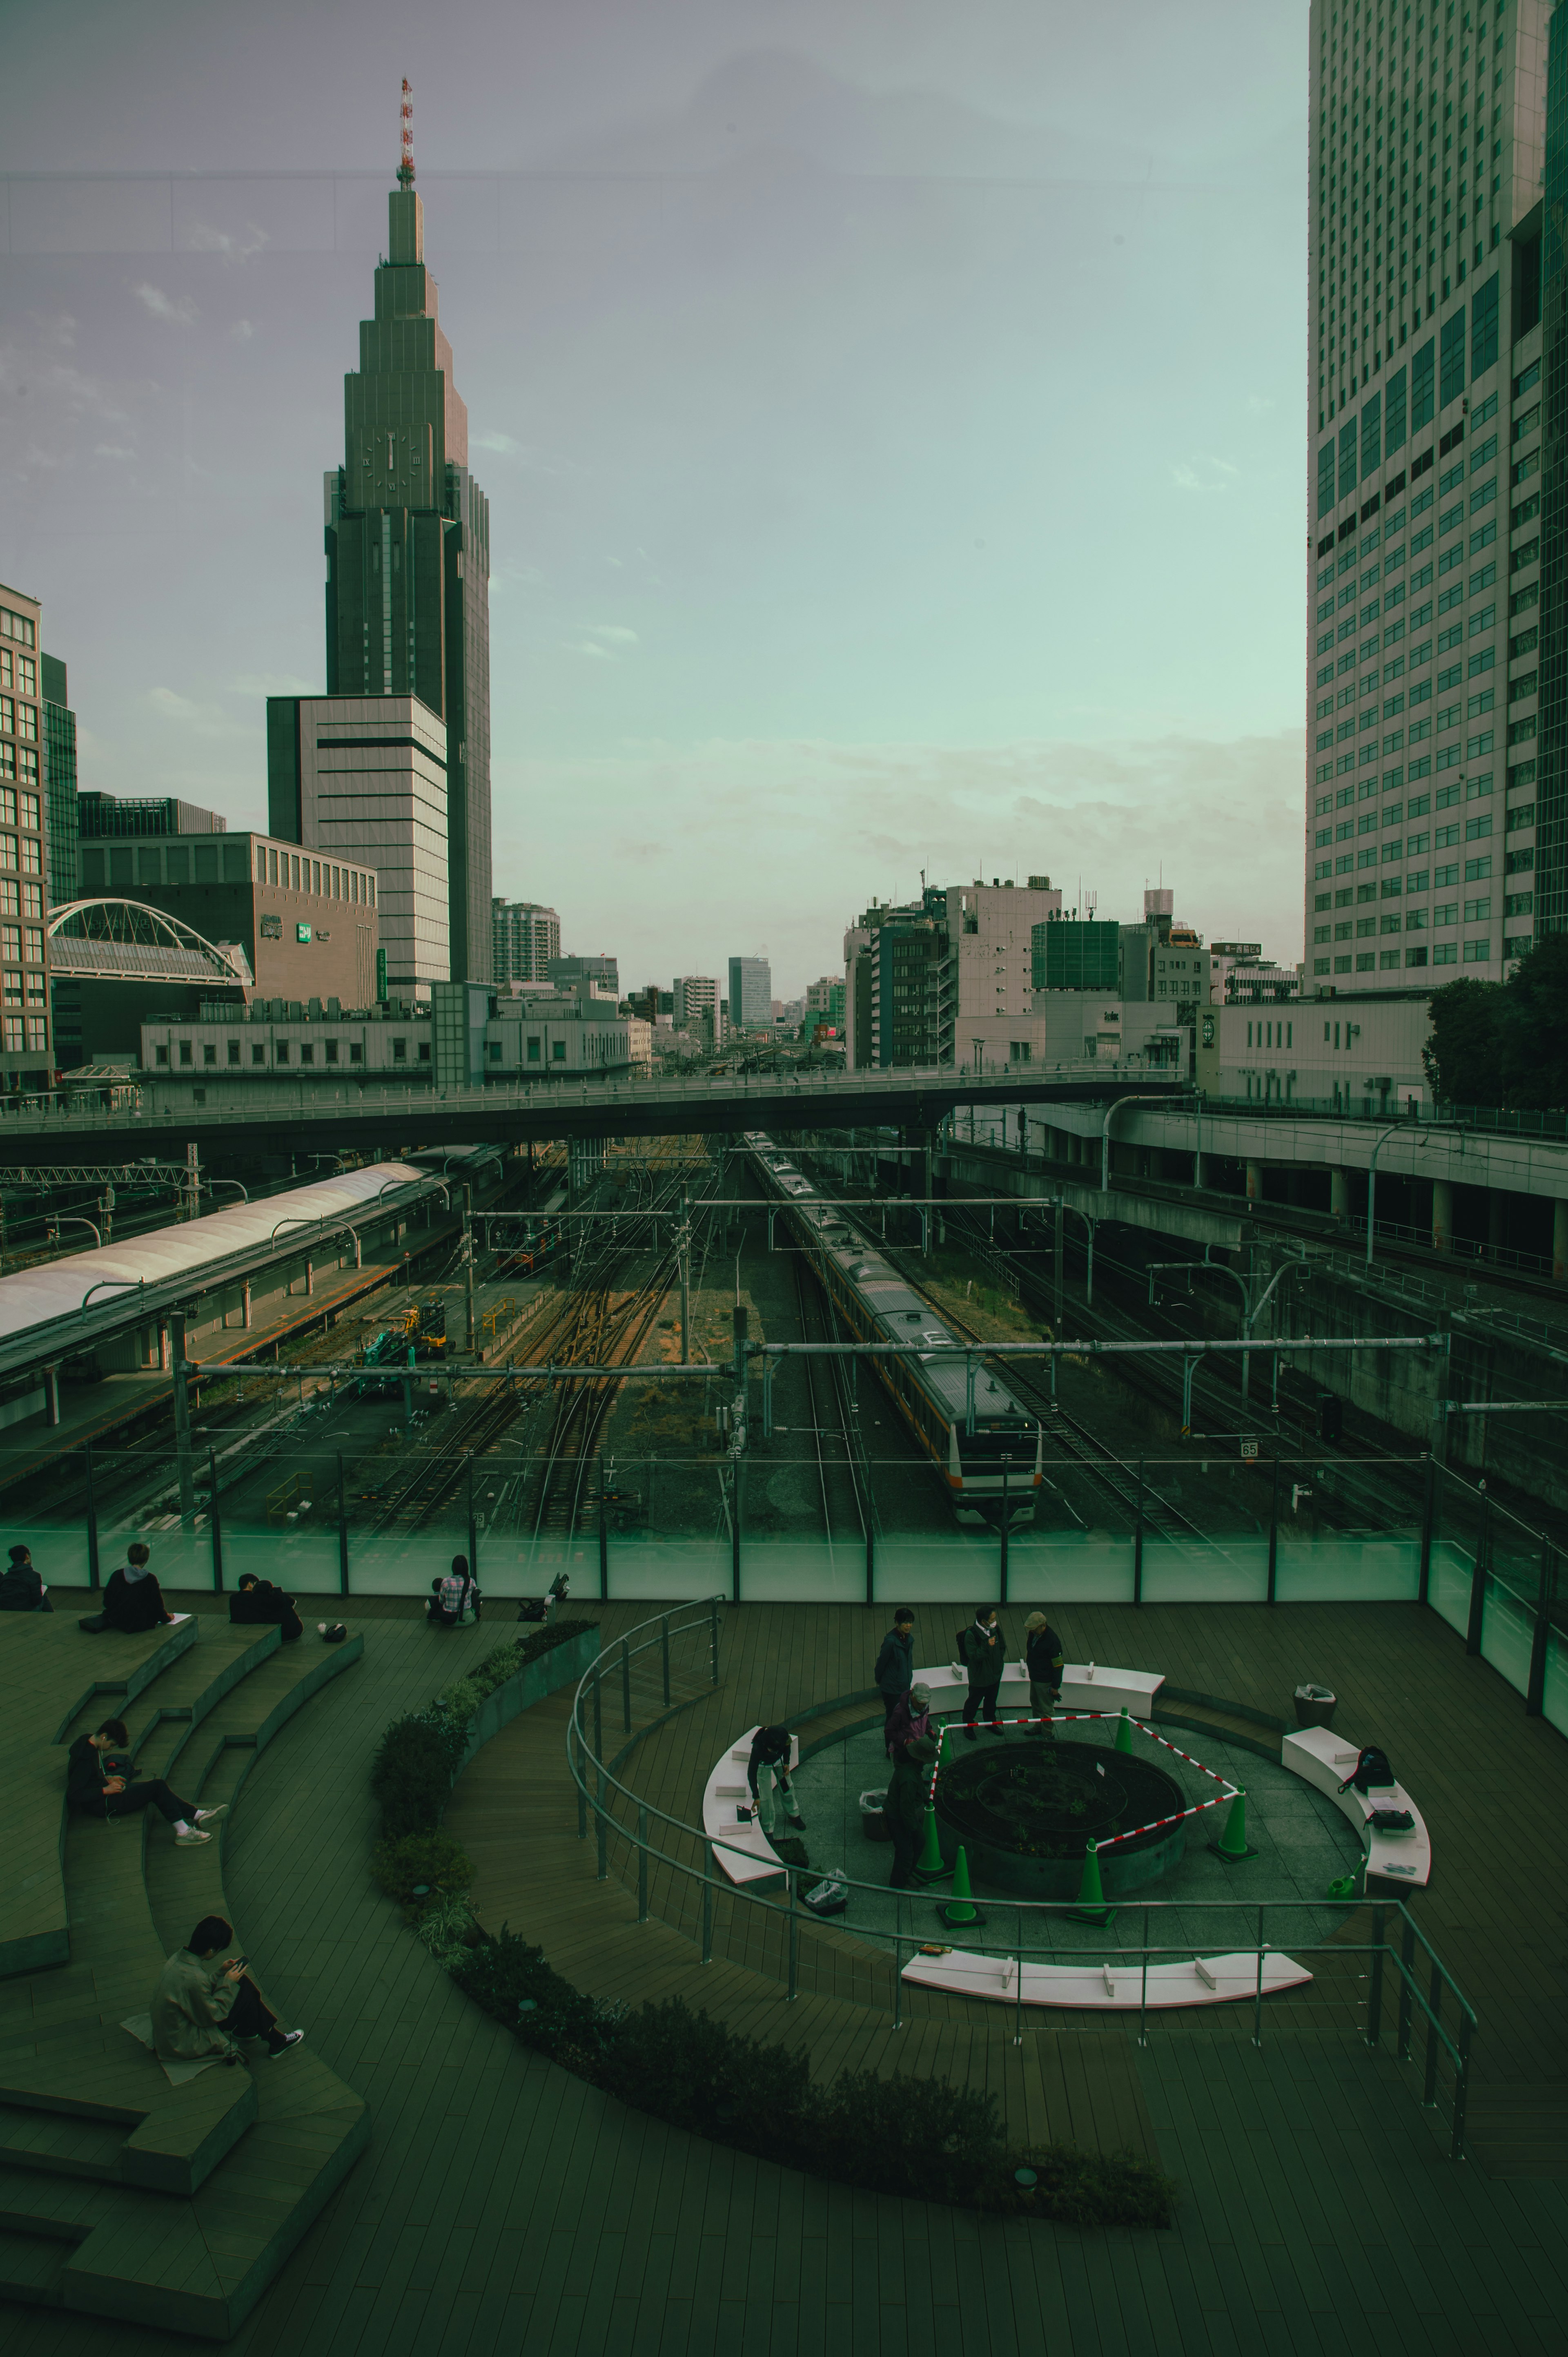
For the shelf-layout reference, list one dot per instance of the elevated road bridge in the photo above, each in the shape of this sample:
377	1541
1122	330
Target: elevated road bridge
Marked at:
298	1117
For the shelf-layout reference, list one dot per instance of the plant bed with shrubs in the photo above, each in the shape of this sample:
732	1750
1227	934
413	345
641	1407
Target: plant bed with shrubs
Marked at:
921	2138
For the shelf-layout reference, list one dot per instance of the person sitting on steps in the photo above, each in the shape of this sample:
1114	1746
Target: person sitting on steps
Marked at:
133	1601
202	2006
455	1598
22	1589
258	1601
98	1786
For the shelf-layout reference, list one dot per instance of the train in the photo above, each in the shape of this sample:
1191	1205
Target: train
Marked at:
990	1461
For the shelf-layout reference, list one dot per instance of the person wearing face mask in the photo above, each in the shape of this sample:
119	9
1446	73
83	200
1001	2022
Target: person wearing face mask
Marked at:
984	1652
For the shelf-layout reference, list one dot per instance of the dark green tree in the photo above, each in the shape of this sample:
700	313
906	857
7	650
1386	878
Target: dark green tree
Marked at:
1463	1059
1534	1028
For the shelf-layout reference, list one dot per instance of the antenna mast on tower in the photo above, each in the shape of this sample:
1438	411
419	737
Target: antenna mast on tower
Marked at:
406	168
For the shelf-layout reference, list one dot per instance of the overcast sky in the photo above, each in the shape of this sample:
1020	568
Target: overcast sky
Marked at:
891	416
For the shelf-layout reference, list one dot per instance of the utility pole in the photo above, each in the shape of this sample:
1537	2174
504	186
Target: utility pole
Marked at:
193	1180
182	1415
1057	1270
468	1259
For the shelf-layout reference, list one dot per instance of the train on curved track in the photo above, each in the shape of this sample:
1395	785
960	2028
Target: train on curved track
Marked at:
988	1456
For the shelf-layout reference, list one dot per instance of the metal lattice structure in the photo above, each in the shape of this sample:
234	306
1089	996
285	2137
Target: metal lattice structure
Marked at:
125	940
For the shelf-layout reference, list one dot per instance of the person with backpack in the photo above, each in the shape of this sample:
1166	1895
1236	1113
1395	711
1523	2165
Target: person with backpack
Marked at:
895	1663
455	1598
1043	1666
984	1652
101	1780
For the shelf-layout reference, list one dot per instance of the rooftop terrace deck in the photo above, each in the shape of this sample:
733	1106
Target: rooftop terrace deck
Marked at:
503	2203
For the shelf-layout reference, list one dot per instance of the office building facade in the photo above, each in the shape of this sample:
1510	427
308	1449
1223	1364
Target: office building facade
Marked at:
524	937
1425	491
408	566
601	970
361	781
750	994
58	736
694	1006
26	1032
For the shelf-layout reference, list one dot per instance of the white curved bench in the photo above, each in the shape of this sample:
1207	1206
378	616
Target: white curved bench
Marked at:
1108	1987
1323	1759
1086	1686
744	1852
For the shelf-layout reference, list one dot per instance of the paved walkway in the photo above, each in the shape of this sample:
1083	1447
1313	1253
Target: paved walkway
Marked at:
504	2205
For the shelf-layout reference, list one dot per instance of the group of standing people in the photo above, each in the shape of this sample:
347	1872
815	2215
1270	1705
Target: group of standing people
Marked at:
906	1705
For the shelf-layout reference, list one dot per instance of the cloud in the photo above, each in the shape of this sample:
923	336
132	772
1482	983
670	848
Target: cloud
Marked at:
586	646
180	312
111	450
490	440
200	719
204	239
271	683
616	633
602	640
51	398
1204	474
242	331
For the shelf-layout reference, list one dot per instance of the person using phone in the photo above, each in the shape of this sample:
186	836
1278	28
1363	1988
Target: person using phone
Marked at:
205	2002
98	1784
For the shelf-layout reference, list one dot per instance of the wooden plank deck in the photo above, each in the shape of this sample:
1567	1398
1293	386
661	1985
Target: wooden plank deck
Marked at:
505	2205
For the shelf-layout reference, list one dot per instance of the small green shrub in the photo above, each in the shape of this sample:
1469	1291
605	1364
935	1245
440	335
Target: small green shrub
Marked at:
514	1985
460	1700
447	1929
922	2137
1083	2189
410	1777
695	2072
433	1860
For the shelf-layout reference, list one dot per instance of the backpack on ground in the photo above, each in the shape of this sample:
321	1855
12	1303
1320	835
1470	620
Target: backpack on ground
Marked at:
1371	1769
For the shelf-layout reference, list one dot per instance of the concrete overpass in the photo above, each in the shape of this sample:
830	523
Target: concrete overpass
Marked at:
299	1117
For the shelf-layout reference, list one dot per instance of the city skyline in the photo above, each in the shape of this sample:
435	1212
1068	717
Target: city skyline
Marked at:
797	551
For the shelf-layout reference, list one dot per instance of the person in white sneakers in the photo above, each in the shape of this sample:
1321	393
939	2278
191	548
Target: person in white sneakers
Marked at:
200	2006
101	1780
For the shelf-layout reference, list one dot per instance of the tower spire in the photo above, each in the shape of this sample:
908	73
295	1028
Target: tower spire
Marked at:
406	168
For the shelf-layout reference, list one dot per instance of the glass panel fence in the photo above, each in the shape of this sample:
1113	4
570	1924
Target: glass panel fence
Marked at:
1070	1567
1555	1701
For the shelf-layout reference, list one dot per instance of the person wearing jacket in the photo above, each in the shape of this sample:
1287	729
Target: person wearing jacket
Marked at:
984	1655
895	1663
22	1586
1043	1664
904	1808
97	1785
200	2005
258	1602
910	1719
133	1601
770	1755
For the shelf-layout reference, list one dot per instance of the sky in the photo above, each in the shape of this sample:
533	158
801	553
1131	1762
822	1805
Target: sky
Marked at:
891	416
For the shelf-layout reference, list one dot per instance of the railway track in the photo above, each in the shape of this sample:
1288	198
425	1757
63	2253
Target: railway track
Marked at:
847	1477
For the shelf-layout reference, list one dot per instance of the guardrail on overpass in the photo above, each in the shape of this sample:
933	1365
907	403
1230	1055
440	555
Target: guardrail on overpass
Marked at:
37	1131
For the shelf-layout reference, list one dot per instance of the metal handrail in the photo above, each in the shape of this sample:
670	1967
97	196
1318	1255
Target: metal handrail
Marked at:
584	1756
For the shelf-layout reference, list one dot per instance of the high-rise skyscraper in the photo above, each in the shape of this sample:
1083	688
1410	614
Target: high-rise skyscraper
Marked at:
1425	488
59	778
408	540
524	937
750	994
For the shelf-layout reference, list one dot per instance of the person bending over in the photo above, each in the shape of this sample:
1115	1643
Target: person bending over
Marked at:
258	1601
770	1756
204	2000
133	1600
99	1782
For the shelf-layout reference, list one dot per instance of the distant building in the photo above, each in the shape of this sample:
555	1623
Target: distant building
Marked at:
750	994
363	780
524	937
694	1007
105	816
602	969
26	1054
947	979
1240	975
59	779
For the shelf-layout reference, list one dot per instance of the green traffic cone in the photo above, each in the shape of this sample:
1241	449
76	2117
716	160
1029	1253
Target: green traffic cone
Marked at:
1091	1907
1123	1732
960	1908
931	1866
1232	1842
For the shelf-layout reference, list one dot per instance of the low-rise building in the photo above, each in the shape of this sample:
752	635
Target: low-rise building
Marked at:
1356	1048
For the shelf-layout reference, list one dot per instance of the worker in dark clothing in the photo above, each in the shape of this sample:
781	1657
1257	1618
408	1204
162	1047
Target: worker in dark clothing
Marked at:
895	1663
256	1602
770	1755
984	1655
22	1588
133	1601
1043	1664
911	1717
904	1808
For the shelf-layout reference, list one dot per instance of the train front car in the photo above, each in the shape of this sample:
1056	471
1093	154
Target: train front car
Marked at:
979	1440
